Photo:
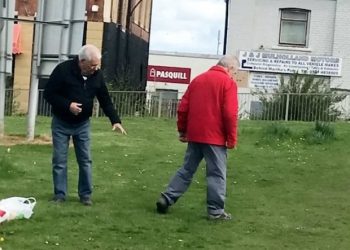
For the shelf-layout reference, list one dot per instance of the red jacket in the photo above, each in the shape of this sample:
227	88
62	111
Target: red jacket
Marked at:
208	110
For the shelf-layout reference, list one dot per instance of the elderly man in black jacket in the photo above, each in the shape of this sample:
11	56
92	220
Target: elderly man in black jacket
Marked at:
70	90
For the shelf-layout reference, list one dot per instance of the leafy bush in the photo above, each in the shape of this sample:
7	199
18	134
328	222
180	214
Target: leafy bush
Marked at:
303	98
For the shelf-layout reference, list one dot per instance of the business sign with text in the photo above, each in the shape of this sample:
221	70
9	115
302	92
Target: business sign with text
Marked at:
264	81
264	61
168	74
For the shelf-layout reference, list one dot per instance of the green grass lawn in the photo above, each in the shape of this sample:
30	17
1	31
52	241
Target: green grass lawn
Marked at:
284	193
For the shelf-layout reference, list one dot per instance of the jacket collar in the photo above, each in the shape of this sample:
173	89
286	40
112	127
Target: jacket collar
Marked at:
76	68
219	69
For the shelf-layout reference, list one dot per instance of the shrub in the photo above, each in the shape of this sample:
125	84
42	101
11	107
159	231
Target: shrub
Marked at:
321	133
303	98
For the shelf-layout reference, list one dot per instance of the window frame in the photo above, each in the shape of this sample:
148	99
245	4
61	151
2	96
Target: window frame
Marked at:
307	26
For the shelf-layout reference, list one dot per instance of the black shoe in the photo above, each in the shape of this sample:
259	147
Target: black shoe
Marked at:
162	205
86	201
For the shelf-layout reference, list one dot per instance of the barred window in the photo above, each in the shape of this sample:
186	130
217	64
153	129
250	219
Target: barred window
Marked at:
294	27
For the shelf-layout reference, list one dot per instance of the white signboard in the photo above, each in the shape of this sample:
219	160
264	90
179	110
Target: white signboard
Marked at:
264	81
264	61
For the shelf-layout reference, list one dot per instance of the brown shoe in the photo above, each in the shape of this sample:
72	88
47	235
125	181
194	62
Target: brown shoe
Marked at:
223	216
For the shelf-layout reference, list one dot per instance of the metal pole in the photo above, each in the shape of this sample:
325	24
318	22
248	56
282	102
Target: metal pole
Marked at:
67	16
287	108
2	73
160	104
218	44
34	81
32	21
97	109
6	10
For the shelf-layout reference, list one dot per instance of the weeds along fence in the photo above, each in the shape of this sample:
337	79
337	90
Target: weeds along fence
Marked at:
287	107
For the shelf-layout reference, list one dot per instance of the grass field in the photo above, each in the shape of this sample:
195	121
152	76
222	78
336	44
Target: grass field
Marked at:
284	192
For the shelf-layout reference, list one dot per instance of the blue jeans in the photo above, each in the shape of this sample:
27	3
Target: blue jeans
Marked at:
61	134
216	160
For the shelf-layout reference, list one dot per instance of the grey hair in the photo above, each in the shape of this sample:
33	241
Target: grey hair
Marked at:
88	52
228	61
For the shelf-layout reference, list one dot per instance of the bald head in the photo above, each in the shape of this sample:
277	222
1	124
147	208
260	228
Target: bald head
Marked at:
230	63
89	59
89	52
227	61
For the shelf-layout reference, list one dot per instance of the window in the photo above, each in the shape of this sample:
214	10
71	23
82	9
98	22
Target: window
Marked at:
294	27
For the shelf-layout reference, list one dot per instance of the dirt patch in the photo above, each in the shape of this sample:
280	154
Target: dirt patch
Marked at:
11	140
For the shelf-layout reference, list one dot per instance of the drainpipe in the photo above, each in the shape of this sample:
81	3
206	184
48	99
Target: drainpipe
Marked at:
128	31
128	27
226	25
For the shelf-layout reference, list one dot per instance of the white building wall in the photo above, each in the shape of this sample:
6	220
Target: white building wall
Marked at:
198	63
241	25
255	23
341	46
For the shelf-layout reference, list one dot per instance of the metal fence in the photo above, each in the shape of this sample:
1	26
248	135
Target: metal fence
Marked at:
288	107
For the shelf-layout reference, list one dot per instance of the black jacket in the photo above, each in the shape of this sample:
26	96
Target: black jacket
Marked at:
66	85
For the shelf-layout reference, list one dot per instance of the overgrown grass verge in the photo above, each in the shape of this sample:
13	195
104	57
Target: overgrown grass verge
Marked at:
321	133
274	133
283	194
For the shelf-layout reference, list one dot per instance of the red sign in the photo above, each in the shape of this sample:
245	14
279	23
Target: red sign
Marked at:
168	74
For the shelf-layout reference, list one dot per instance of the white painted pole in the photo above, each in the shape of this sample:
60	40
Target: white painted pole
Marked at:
6	10
34	81
2	75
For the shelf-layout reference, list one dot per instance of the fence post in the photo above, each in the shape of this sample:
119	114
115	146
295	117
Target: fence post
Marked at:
287	108
160	104
97	109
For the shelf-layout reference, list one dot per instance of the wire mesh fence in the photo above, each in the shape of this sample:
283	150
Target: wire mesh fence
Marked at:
295	107
287	107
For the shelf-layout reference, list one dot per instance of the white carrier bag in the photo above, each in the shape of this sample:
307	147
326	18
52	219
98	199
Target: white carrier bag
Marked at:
16	208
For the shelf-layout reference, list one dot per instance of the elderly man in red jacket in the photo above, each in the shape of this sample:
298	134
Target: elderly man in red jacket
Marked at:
207	120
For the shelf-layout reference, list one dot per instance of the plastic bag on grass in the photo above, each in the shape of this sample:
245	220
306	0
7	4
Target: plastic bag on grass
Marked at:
16	208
